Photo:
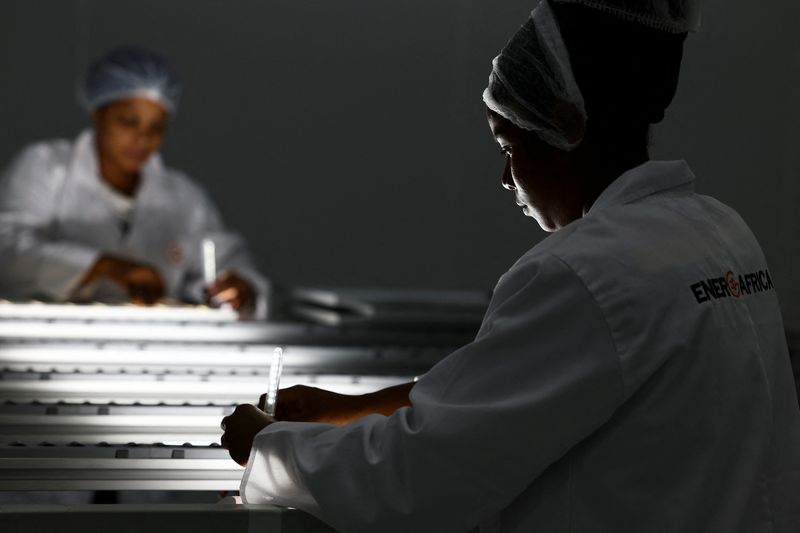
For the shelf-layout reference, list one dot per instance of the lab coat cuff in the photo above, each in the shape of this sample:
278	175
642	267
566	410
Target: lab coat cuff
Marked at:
271	475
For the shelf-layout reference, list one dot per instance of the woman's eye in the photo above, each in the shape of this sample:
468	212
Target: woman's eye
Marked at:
505	150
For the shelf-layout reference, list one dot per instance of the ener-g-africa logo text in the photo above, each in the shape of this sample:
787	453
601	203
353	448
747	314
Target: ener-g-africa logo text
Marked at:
732	286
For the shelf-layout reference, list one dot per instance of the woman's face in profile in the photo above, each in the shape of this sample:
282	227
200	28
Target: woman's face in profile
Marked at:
129	131
538	174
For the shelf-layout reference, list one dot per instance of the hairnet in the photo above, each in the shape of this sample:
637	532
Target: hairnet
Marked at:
127	72
532	82
532	85
676	16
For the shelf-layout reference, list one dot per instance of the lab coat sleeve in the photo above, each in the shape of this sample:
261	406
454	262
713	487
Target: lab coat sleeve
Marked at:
231	251
541	375
35	263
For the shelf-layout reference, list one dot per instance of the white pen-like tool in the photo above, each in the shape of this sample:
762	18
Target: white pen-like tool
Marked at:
209	262
275	370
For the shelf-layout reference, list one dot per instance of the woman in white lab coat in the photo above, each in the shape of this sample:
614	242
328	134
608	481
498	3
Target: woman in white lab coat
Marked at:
101	218
631	372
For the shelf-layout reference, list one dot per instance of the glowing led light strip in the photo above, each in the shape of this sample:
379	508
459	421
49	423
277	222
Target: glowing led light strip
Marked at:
233	390
203	356
275	370
87	355
107	312
114	437
204	422
209	262
110	331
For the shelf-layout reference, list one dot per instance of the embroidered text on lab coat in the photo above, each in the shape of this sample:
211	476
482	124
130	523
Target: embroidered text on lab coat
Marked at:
732	286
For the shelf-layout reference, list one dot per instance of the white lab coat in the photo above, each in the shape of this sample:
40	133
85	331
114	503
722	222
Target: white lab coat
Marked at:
601	394
57	217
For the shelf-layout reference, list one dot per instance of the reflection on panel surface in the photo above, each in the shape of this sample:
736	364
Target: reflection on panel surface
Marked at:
116	398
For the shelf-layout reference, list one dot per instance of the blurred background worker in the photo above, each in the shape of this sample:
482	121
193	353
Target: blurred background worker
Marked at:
614	385
101	218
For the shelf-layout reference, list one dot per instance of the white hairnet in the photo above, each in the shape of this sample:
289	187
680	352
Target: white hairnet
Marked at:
127	72
532	85
676	16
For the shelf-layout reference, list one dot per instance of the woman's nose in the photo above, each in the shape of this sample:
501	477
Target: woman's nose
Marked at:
506	179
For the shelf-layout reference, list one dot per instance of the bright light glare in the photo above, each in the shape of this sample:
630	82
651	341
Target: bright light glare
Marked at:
275	370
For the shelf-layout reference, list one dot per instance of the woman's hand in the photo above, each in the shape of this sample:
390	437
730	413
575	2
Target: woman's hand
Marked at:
229	288
310	404
240	428
141	282
305	404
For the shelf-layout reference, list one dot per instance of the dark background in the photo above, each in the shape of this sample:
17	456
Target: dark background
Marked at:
346	139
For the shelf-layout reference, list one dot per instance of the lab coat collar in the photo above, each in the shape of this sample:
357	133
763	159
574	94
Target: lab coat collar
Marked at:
646	179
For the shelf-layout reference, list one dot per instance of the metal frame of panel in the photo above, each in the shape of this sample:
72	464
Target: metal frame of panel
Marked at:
117	468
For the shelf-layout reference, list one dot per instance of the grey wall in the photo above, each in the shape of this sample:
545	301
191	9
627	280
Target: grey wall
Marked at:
736	120
346	139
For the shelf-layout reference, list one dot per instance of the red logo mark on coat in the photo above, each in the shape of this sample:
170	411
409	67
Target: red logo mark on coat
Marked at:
174	252
733	284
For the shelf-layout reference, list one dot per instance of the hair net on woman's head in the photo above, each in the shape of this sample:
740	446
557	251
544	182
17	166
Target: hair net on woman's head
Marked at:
128	72
676	16
532	85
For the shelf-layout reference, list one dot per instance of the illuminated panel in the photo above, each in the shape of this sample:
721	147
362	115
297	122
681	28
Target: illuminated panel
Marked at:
154	389
113	430
34	424
239	333
234	332
104	312
205	358
46	423
94	357
79	435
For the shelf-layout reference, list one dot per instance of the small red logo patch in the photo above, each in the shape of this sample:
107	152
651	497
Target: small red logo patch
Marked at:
733	284
174	252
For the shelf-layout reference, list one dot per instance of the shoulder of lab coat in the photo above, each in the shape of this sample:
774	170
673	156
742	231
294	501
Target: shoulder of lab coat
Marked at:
205	221
484	422
29	199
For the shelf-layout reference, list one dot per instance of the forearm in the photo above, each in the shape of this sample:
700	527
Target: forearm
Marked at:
310	404
385	401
